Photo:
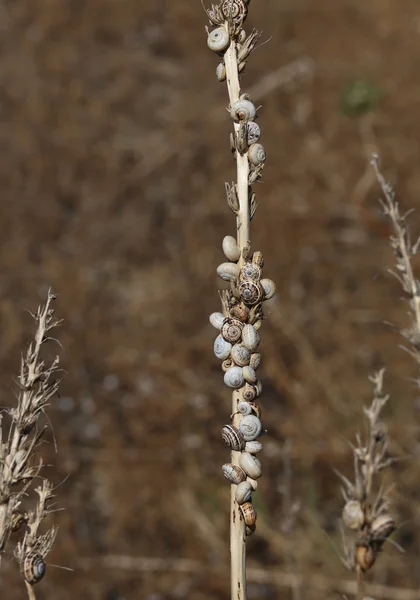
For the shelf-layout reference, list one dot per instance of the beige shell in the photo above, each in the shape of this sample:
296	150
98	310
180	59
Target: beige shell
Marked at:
353	515
251	271
382	527
235	10
233	378
255	360
233	438
244	408
258	258
253	482
253	447
218	40
240	311
227	364
250	464
250	337
216	319
256	154
230	248
250	427
243	492
231	330
249	513
33	568
228	271
243	110
249	529
240	355
256	409
249	392
249	374
221	72
269	288
365	557
251	292
233	473
258	387
253	132
222	348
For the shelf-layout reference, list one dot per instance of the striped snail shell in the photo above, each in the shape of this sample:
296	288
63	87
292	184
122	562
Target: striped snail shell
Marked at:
353	515
258	258
243	492
251	271
233	378
250	464
221	72
365	557
255	360
382	527
250	427
249	513
222	348
243	110
253	447
218	40
240	355
216	319
33	567
244	408
233	473
236	10
240	311
232	330
228	271
269	288
253	132
230	248
249	374
249	529
256	154
227	364
250	337
233	438
251	292
249	393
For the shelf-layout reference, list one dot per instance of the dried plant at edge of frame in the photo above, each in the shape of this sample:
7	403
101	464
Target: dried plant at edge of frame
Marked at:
38	382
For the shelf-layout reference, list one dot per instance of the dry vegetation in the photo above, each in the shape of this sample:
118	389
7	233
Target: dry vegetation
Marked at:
112	194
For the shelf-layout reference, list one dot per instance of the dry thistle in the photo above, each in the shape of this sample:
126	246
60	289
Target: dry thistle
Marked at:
242	313
19	465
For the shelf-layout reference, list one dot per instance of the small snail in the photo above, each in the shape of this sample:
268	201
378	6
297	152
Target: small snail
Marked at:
249	393
33	567
218	40
222	348
269	288
240	311
253	133
251	271
256	409
249	513
256	154
240	355
221	72
216	319
250	337
255	360
250	464
233	378
353	515
249	374
244	408
251	292
230	248
365	557
253	447
243	110
231	330
382	527
258	387
243	492
228	271
258	258
235	10
233	438
227	364
233	473
250	427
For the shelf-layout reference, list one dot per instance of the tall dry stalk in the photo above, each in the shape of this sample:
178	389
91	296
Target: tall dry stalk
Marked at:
19	463
242	314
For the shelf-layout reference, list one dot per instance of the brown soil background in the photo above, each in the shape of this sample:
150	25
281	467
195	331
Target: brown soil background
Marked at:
114	153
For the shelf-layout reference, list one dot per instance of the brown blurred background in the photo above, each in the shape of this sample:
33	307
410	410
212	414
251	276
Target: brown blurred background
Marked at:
114	152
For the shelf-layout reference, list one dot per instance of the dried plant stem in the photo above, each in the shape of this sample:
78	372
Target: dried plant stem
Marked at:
31	591
360	594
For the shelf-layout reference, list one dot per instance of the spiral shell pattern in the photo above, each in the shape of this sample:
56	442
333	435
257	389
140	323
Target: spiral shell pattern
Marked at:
33	567
233	438
232	330
240	355
222	348
244	408
236	10
382	527
233	473
251	292
256	154
251	271
243	492
248	393
253	132
233	378
250	427
218	40
243	111
249	513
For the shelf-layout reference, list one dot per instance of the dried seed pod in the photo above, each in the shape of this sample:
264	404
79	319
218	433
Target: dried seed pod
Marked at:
249	374
250	337
240	355
230	248
253	447
255	360
269	288
33	567
243	492
244	408
251	292
248	392
249	513
365	557
251	465
232	330
235	10
382	527
218	40
250	427
254	132
227	364
233	378
222	348
221	72
228	271
233	438
256	154
251	271
243	110
240	311
353	515
233	473
216	319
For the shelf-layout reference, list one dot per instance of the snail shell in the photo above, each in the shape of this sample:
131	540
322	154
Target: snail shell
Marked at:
228	271
233	378
353	515
218	40
249	513
243	492
269	288
240	355
250	337
230	248
240	311
233	473
382	527
216	319
251	292
251	465
233	438
249	393
244	408
250	427
222	348
253	482
256	409
365	557
221	72
258	258
249	374
243	110
253	447
236	10
255	360
249	529
256	154
33	567
258	387
253	132
227	364
251	271
232	330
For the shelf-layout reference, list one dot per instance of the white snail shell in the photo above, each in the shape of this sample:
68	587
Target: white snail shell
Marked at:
228	271
221	72
222	348
33	567
255	360
249	374
249	393
249	513
243	110
233	378
269	288
250	464
250	427
250	337
218	40
256	154
243	492
230	248
233	438
382	527
253	447
251	292
253	132
232	330
233	473
244	408
236	10
353	515
251	271
240	355
216	319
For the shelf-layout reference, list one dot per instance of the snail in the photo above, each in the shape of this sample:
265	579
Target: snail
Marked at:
233	378
382	527
249	513
250	427
221	72
248	393
243	110
227	364
249	529
256	154
244	408
222	348
251	292
33	567
256	409
269	288
233	473
243	492
251	271
240	311
233	438
249	374
253	483
258	258
365	557
216	319
218	40
250	464
258	387
253	132
228	271
250	337
253	447
353	515
255	360
232	330
235	10
230	248
240	355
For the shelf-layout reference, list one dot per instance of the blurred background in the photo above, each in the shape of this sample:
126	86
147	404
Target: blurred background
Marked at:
114	152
